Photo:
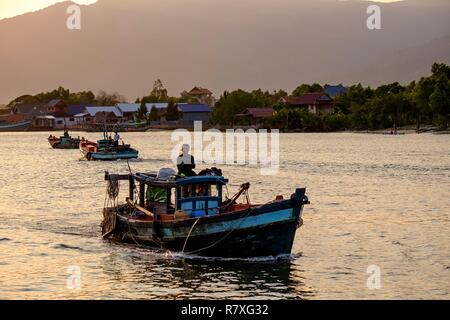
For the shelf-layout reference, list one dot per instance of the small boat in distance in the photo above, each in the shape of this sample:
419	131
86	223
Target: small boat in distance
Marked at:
19	126
188	215
64	142
106	150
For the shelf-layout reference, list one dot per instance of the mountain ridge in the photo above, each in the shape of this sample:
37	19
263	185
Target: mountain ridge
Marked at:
124	47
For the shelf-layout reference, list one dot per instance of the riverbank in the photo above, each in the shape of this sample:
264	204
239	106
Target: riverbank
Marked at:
191	129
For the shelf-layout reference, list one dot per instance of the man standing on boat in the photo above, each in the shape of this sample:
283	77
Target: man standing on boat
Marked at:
116	139
66	132
186	162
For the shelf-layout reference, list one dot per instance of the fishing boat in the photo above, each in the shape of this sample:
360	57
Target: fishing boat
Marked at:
106	150
64	142
19	126
189	215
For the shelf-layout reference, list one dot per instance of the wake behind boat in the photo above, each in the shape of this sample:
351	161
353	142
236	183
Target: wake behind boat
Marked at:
189	215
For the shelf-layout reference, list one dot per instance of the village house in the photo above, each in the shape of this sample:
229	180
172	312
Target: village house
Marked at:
200	95
30	110
315	102
58	115
104	114
194	112
160	106
57	107
129	110
254	116
82	119
73	119
51	116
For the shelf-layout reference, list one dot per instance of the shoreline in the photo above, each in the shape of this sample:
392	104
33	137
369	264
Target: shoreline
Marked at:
400	131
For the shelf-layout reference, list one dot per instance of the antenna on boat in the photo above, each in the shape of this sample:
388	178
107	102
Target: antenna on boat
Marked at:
105	130
129	168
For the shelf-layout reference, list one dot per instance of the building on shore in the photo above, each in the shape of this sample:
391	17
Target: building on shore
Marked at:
194	112
105	114
315	102
199	95
58	115
254	116
129	110
29	110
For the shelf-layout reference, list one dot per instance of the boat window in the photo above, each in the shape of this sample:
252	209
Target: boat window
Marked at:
186	191
155	194
173	197
201	190
213	190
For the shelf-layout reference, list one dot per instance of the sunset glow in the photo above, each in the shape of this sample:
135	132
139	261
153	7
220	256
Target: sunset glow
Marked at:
11	8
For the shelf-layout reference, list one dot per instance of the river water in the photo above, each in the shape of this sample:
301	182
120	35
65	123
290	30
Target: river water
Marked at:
376	200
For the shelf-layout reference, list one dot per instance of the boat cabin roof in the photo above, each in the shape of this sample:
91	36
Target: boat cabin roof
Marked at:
152	180
202	179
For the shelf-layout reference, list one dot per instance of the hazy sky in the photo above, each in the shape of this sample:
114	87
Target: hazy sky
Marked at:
11	8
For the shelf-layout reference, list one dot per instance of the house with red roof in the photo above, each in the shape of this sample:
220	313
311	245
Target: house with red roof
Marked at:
314	102
200	95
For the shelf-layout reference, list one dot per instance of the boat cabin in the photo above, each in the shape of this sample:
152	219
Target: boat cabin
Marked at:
200	195
190	196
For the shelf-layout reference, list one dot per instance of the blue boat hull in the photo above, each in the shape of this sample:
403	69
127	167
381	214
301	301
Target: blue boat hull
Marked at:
111	156
15	127
269	240
267	230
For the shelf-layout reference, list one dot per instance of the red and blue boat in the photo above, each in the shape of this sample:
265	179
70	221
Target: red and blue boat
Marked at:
64	142
106	150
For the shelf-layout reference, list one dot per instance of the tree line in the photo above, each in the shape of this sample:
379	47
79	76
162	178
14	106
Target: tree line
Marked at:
422	102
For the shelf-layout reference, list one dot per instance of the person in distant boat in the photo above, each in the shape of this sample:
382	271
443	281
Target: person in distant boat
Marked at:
66	132
116	139
186	162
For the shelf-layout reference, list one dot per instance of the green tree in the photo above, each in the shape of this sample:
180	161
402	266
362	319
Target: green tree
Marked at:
307	88
235	102
172	113
440	104
141	114
154	114
106	99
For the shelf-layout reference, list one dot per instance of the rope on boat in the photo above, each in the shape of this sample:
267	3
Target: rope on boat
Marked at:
113	189
245	215
159	243
189	234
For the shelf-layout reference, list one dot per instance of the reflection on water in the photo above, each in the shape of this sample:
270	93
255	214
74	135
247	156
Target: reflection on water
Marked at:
375	200
203	278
